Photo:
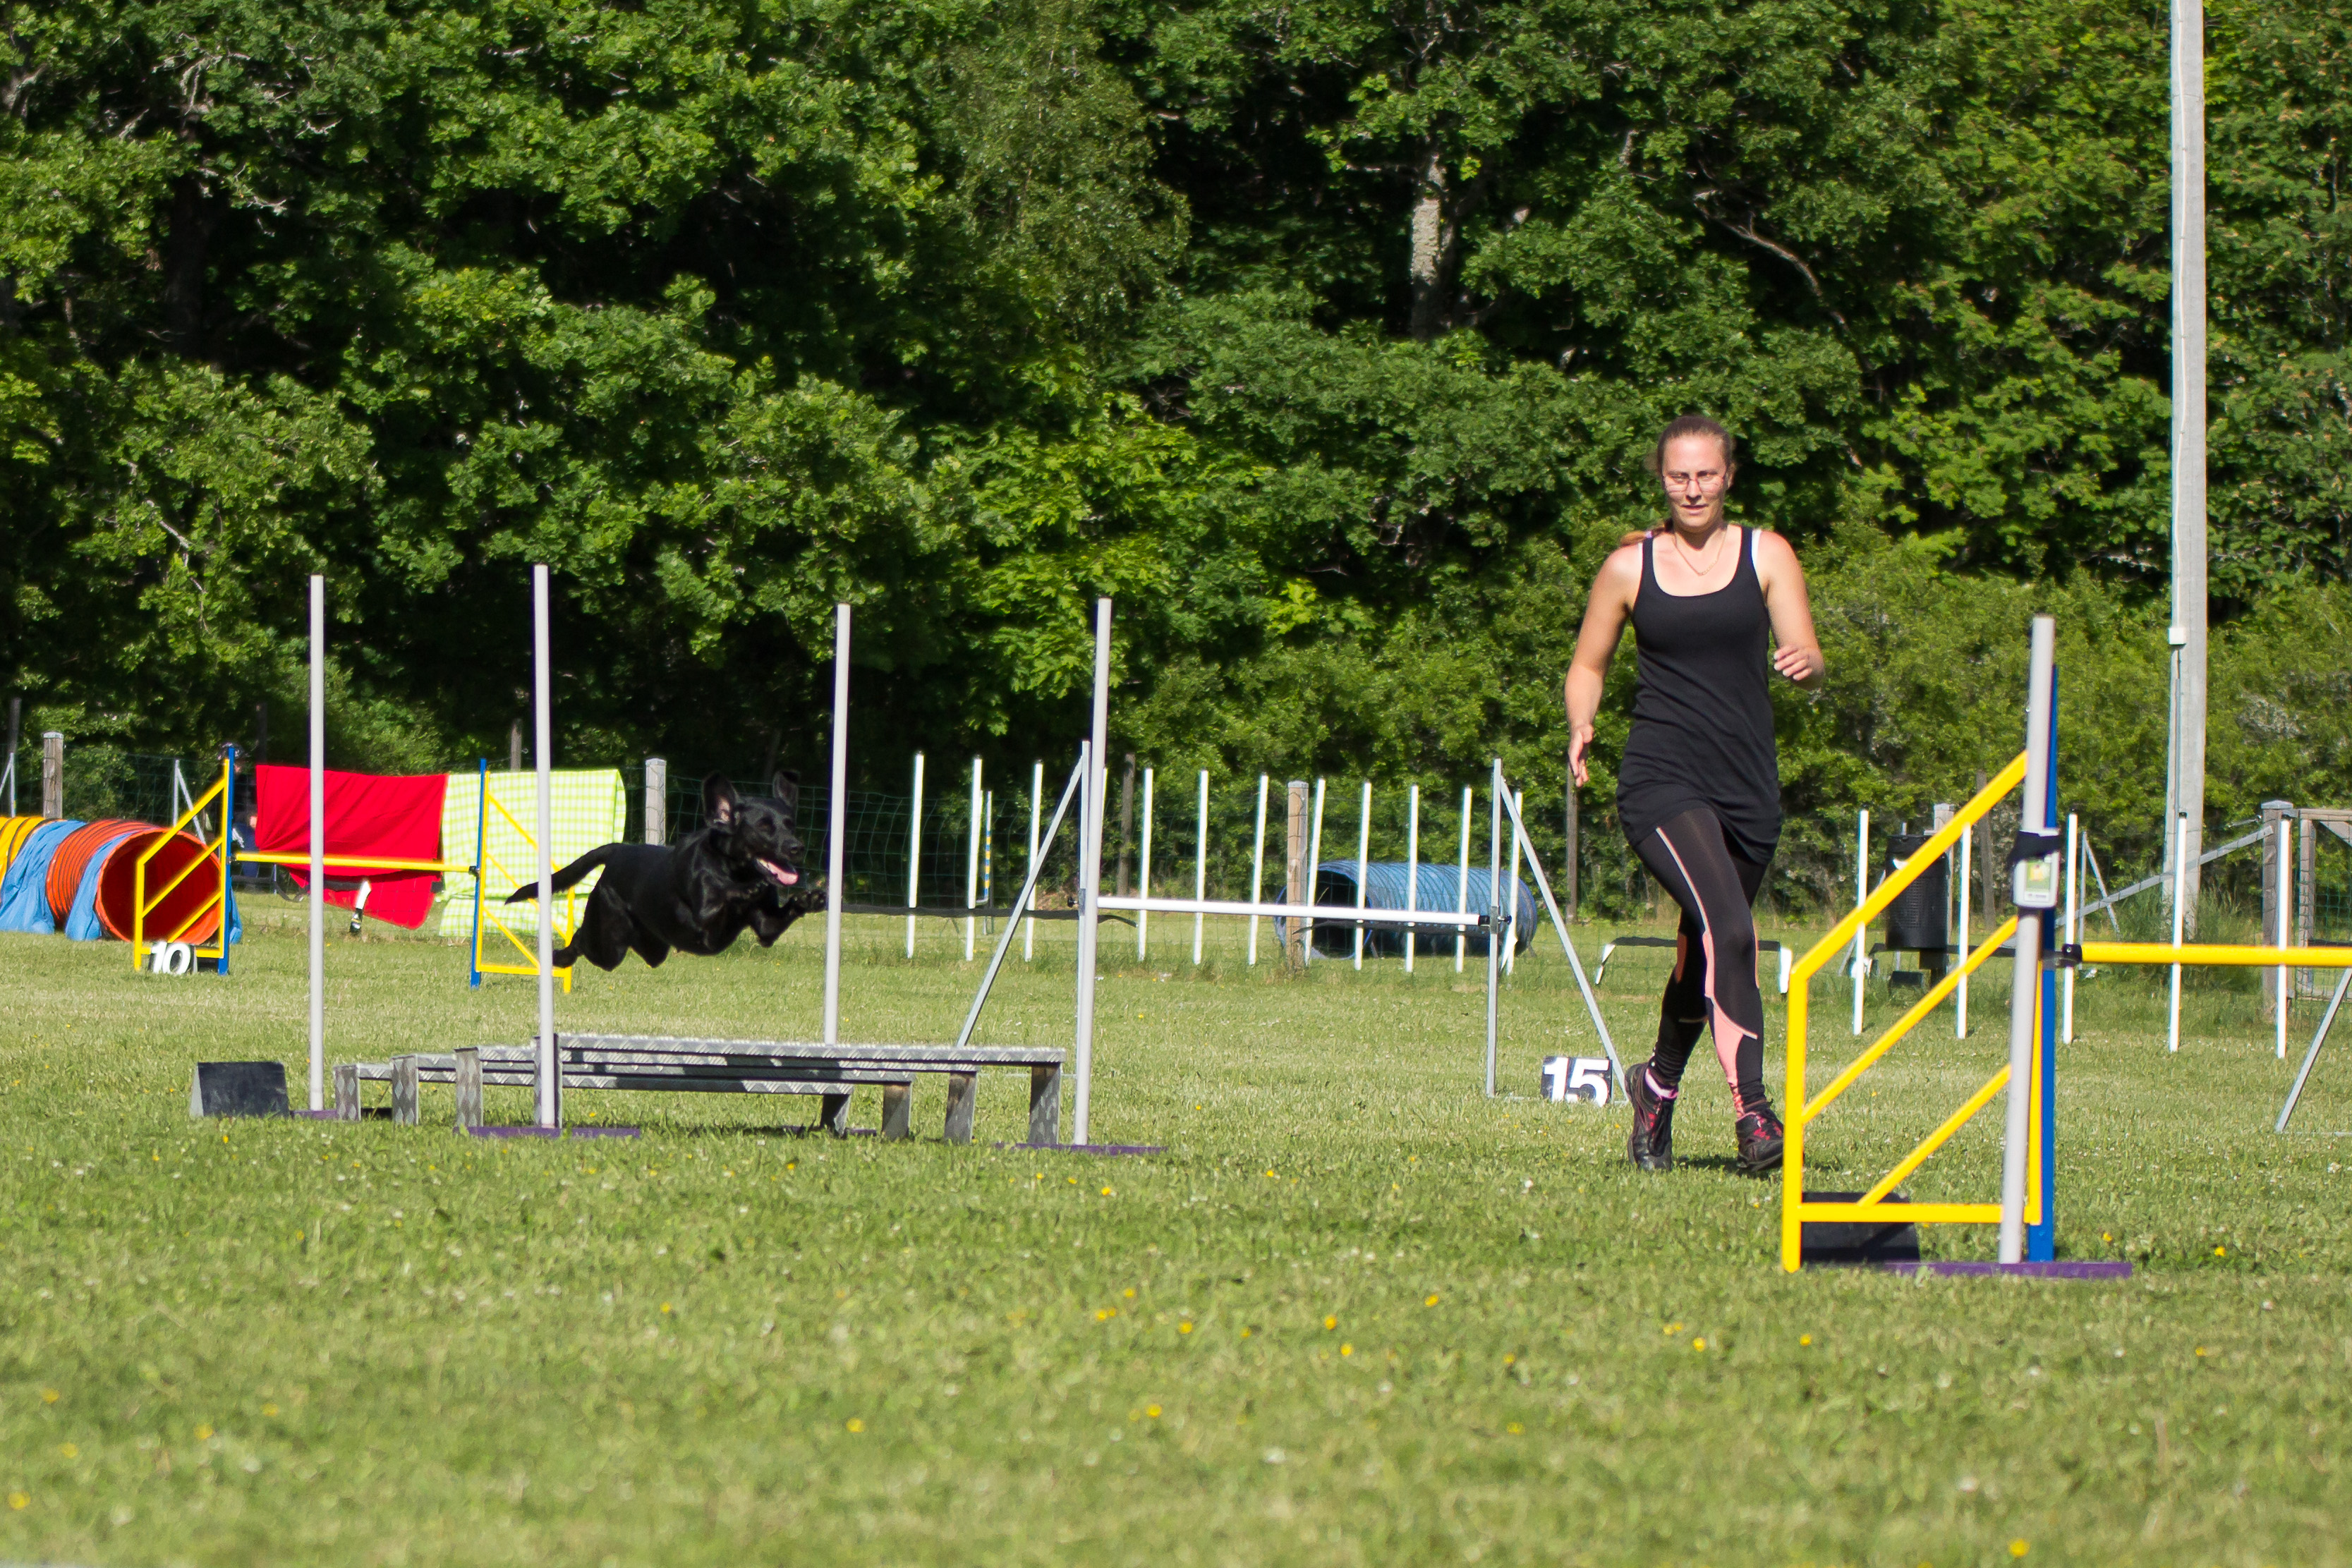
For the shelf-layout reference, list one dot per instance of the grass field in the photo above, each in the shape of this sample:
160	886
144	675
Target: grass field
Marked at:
1356	1313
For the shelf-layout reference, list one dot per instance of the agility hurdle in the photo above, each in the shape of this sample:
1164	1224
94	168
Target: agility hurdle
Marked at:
2027	1212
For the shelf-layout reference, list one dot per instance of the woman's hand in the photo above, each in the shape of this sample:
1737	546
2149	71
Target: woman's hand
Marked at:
1580	741
1801	662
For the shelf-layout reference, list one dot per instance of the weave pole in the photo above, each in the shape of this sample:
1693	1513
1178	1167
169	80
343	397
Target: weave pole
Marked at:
836	825
547	1093
317	844
1090	880
2025	983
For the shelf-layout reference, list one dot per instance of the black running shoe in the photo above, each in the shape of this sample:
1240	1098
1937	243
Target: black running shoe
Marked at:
1652	1146
1759	1139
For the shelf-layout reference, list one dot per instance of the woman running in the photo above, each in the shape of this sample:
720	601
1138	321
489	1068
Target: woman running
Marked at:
1699	791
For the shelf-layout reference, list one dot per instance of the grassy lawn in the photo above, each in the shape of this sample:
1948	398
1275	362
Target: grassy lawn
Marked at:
1356	1313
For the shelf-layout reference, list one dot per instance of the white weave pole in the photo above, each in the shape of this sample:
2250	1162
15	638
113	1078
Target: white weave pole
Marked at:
1960	993
1090	880
1036	799
1313	869
1495	788
317	844
547	1098
1860	963
1412	870
1516	805
914	854
972	869
1257	867
2025	983
1143	868
2180	919
2073	929
1462	884
2285	882
1200	866
1363	863
836	825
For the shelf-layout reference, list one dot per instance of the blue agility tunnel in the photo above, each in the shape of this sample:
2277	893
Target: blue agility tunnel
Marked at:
1335	883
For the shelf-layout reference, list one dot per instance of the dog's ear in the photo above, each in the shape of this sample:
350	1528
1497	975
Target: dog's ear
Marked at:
786	788
718	802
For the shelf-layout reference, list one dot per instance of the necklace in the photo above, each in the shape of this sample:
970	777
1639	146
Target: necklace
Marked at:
1713	549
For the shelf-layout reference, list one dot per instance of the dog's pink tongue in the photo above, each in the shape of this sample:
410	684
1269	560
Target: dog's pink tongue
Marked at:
785	877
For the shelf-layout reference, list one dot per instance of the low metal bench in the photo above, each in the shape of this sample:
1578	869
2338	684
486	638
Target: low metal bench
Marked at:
665	1064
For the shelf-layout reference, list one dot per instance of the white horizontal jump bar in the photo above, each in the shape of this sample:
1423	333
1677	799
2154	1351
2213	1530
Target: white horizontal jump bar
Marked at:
1336	914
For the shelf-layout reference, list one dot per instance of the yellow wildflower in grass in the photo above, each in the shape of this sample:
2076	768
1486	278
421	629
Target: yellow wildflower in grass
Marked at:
1331	1323
2018	1549
1129	1293
1187	1328
1152	1411
1515	1428
2221	1251
1106	1192
203	1434
1804	1339
1431	1303
270	1410
18	1501
69	1451
1698	1344
48	1396
854	1424
2201	1350
1673	1329
1347	1350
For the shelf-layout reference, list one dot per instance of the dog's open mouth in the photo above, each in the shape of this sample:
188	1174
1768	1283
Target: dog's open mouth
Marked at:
782	876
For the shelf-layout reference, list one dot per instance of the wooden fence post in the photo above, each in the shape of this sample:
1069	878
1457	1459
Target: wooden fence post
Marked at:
656	801
53	774
1296	874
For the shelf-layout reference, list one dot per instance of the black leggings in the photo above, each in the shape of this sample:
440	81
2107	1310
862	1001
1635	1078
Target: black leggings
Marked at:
1714	954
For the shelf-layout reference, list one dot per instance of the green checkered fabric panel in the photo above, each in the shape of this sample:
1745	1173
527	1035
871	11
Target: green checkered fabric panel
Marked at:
590	806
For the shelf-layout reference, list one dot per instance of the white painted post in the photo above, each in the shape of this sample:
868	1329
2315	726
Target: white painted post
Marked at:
1200	866
2073	929
1495	788
2284	881
317	844
972	868
1143	867
1509	893
2026	985
2180	917
836	826
1090	880
1861	961
1462	884
914	854
1036	799
2185	773
1257	867
548	1099
1960	995
1412	870
1314	871
1363	863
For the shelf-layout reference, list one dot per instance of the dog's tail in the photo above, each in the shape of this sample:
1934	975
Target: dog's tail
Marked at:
566	877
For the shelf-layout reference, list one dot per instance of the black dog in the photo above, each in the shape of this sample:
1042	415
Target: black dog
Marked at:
741	869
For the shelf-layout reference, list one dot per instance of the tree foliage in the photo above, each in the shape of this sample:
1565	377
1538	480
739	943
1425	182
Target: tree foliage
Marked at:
1328	337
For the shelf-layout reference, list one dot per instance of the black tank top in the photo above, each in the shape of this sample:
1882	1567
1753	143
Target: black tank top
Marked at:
1702	731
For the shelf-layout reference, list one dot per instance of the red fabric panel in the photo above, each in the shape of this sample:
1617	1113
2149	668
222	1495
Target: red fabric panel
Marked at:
396	817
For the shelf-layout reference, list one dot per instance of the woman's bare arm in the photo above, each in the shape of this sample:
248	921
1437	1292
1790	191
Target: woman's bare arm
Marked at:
1606	610
1799	654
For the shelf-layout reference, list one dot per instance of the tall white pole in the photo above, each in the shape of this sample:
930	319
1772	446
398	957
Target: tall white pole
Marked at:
1495	788
1313	867
1201	866
1363	863
2284	881
1257	867
317	844
1960	995
2179	919
1143	880
1461	884
2026	985
1412	870
1860	963
547	1102
972	869
837	825
1036	799
2074	928
1509	894
2185	780
1090	878
914	854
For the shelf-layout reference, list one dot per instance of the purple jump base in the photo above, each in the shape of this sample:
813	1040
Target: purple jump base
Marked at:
1089	1148
553	1131
316	1116
2113	1268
